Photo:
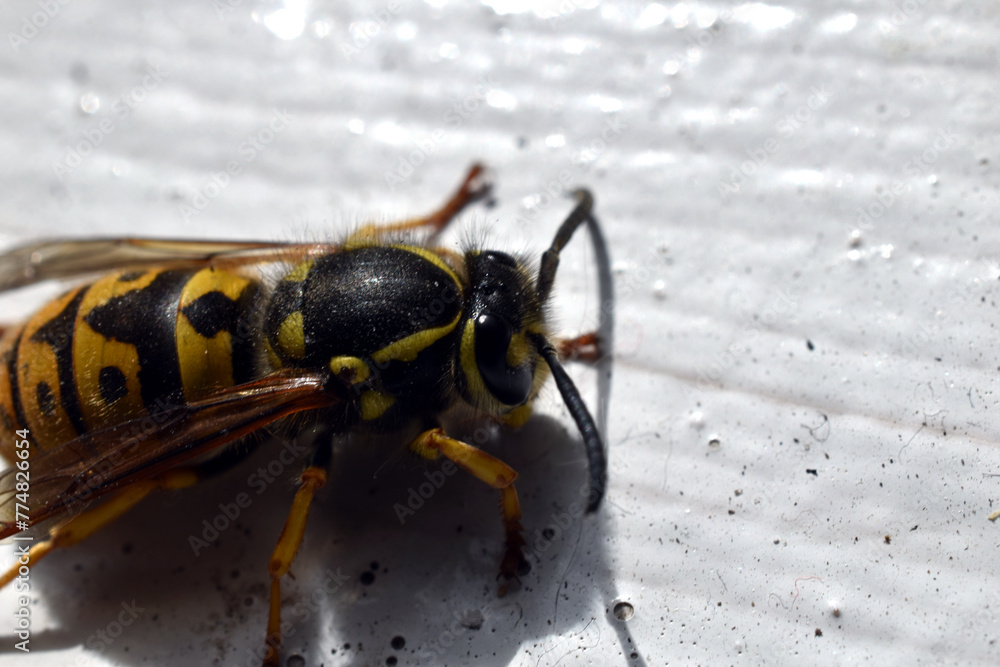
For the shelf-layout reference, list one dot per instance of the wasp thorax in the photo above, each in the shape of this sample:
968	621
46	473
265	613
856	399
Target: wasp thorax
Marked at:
379	303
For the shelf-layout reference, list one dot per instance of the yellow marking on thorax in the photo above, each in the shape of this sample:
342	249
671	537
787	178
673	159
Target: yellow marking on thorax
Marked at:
272	357
374	404
358	368
434	259
407	349
292	336
300	272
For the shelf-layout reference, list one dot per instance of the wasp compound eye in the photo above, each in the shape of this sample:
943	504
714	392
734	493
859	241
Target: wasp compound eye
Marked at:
509	385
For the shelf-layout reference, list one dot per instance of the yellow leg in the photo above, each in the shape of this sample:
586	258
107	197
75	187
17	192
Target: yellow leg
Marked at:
86	524
433	443
473	187
313	478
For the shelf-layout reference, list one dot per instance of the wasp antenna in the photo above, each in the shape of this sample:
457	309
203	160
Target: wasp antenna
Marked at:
597	463
550	258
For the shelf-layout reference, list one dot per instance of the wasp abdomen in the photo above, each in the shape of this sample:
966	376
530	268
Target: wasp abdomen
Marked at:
124	347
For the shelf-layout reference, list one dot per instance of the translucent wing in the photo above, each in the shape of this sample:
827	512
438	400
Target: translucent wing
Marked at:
69	258
64	478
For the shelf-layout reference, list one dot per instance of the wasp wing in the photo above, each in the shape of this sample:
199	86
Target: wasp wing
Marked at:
69	258
65	478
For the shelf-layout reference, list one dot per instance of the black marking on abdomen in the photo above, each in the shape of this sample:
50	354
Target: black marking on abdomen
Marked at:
112	383
58	334
46	399
213	312
146	318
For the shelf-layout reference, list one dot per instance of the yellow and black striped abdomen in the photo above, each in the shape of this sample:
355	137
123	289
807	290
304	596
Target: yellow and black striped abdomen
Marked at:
122	348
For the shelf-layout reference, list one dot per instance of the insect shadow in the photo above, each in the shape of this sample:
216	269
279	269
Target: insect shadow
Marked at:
399	560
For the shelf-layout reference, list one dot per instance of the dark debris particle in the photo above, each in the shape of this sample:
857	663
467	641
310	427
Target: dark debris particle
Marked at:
398	643
391	660
374	566
812	471
809	344
367	578
888	539
819	633
914	528
295	660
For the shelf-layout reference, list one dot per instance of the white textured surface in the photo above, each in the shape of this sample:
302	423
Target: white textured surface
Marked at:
729	550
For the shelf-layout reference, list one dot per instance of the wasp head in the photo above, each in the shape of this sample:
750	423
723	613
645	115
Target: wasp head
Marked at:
498	364
504	336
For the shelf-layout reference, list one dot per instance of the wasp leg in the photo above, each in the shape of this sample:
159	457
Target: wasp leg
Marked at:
434	443
474	187
312	479
89	522
586	347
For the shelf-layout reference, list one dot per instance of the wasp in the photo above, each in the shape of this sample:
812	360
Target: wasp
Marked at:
149	377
